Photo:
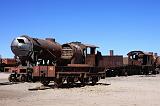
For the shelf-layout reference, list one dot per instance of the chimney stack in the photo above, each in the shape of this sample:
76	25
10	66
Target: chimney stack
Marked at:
156	54
111	52
51	39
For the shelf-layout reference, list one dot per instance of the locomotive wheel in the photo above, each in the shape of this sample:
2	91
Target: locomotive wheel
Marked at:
33	80
45	82
70	81
154	72
82	81
10	78
94	80
29	78
22	78
58	82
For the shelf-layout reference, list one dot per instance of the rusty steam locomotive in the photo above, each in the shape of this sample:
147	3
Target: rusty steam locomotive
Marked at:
46	60
50	61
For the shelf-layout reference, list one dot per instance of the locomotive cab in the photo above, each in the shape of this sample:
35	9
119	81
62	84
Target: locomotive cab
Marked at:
144	62
140	58
91	56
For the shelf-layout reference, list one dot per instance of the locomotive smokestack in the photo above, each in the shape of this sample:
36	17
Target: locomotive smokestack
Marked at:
156	54
111	52
51	39
151	53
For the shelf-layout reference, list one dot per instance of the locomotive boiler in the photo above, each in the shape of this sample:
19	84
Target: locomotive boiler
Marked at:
73	53
31	50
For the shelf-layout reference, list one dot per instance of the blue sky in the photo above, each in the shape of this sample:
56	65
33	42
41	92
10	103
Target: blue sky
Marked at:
121	25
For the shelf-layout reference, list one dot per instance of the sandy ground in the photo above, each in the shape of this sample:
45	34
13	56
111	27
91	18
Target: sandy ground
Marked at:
4	75
117	91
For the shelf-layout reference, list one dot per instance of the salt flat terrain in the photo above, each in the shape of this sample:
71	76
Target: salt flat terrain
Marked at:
117	91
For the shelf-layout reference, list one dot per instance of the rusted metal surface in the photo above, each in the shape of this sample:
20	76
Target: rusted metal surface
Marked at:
140	53
18	69
78	65
72	53
51	71
36	71
8	61
158	61
77	53
71	61
48	71
32	49
91	46
111	61
111	52
125	60
91	59
140	58
9	69
21	69
44	70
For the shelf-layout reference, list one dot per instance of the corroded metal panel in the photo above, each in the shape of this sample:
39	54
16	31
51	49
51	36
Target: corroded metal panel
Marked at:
111	61
51	71
90	60
8	61
36	71
43	70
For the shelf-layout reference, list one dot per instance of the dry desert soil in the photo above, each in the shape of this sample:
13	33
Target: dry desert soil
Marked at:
116	91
